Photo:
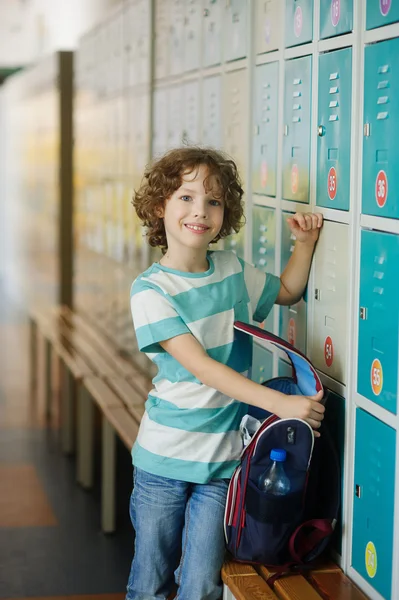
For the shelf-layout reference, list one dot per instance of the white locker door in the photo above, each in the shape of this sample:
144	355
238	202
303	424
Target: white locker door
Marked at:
212	28
235	28
192	35
328	342
160	122
175	120
191	98
268	23
212	111
236	118
177	37
162	38
143	40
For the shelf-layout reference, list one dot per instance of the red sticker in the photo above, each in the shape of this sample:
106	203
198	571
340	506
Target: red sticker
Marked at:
294	179
263	174
291	331
332	183
328	351
381	188
298	21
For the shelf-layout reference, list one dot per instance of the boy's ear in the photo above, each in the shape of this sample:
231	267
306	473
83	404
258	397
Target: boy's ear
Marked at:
160	211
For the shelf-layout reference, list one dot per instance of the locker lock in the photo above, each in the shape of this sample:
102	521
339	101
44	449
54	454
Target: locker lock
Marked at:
363	313
321	130
317	294
358	491
366	130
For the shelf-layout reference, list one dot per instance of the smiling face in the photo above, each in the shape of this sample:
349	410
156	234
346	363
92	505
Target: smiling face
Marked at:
193	215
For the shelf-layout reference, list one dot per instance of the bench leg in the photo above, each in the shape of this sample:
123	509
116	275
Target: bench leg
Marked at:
33	356
67	410
85	461
108	477
48	389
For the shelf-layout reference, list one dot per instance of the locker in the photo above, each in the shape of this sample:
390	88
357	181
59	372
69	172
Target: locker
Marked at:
328	344
381	12
160	122
268	23
336	17
334	129
284	368
212	24
265	115
175	117
211	118
162	39
298	22
141	140
235	114
191	97
381	130
373	508
296	143
263	246
235	30
262	364
378	319
177	16
236	243
192	35
292	318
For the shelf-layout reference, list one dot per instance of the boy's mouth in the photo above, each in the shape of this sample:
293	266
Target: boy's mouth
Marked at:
195	228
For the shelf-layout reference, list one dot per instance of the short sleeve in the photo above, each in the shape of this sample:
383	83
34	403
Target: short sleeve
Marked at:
263	289
154	317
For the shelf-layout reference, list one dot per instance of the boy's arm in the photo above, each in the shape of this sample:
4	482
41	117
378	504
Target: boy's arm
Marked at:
189	353
306	228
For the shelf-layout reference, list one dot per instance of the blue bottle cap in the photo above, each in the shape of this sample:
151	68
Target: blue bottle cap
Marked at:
279	455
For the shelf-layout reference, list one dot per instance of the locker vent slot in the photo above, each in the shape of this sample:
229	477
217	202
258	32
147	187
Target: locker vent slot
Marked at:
333	118
382	100
333	104
334	90
333	76
382	116
382	85
383	69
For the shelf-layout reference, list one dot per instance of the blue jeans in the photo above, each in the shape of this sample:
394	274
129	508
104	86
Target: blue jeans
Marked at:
179	538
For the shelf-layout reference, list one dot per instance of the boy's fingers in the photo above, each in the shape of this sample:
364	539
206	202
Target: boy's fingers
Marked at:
317	397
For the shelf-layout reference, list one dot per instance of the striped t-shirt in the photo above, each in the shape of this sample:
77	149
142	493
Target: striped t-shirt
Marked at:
190	431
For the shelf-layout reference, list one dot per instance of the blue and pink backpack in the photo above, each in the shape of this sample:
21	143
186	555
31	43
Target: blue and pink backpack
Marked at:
289	530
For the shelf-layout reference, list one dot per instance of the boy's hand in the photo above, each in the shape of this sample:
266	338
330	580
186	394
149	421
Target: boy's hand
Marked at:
307	408
306	226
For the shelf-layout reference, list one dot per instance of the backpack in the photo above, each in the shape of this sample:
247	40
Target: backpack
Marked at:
294	529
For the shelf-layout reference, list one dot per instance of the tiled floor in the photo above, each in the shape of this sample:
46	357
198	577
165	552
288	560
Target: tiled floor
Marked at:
51	546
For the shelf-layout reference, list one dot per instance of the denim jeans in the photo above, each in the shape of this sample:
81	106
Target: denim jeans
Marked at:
179	538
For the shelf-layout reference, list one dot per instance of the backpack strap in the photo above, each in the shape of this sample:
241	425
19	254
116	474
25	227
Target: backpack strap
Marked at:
305	374
307	536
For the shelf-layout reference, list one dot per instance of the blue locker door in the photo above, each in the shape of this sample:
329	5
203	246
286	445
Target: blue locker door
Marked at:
336	17
265	130
381	12
373	509
298	22
262	364
334	129
378	319
292	318
296	145
381	130
263	246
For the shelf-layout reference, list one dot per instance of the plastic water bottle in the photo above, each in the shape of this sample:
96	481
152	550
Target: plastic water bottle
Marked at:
274	480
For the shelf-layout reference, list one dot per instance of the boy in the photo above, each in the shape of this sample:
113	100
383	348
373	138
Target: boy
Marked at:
183	309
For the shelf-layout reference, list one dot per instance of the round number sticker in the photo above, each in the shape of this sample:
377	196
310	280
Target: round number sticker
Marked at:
377	378
381	188
298	21
332	183
385	7
328	351
294	179
371	560
335	12
292	332
263	173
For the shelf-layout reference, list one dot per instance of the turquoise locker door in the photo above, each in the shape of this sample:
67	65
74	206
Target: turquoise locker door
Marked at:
265	130
292	318
378	319
263	246
334	129
373	509
298	22
336	17
262	364
381	12
211	46
235	30
296	145
381	130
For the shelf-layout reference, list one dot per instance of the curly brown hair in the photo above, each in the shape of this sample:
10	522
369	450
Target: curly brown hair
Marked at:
164	177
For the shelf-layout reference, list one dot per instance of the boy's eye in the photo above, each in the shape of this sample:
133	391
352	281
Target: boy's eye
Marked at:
215	202
186	198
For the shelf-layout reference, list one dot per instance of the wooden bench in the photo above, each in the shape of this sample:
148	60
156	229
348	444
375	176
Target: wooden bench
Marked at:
325	581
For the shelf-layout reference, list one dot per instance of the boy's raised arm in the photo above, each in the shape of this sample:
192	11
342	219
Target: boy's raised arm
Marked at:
193	357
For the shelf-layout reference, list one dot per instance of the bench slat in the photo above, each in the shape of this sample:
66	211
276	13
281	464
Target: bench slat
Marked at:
293	587
336	585
133	400
102	394
124	424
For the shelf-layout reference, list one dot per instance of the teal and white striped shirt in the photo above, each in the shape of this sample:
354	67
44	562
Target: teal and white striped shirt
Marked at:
190	431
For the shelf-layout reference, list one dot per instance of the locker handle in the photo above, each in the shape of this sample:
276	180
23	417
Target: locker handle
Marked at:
366	130
358	490
321	130
317	294
363	313
285	130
